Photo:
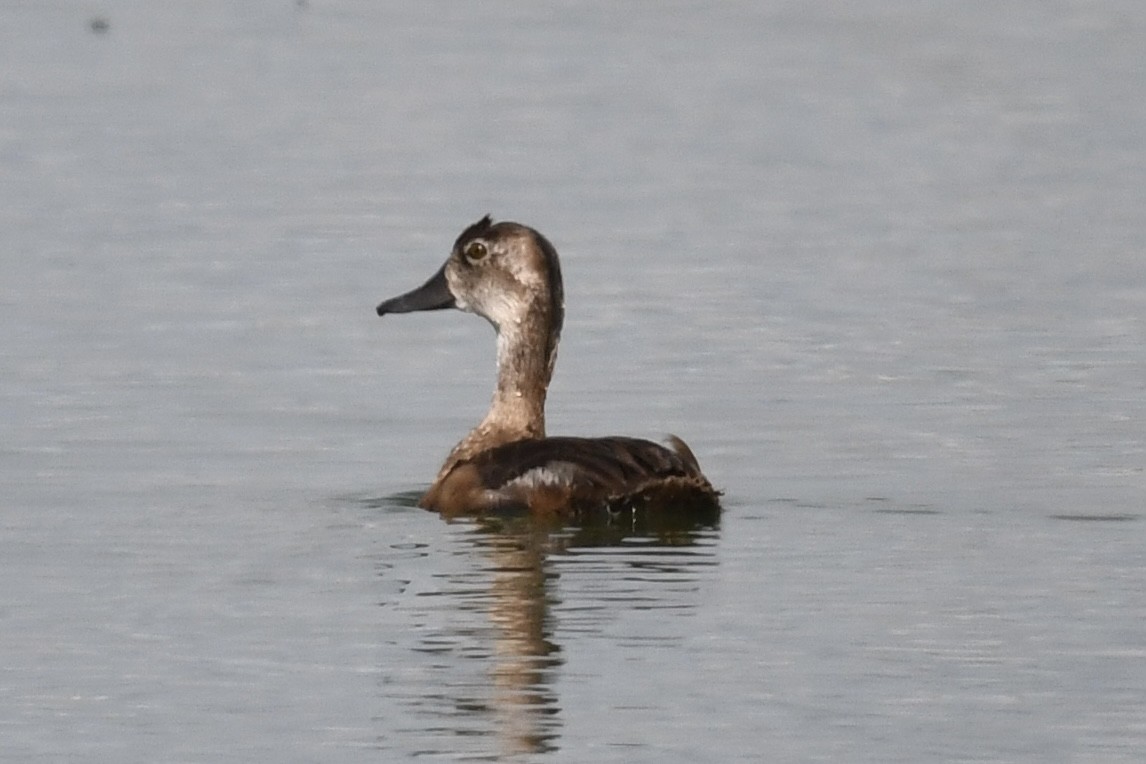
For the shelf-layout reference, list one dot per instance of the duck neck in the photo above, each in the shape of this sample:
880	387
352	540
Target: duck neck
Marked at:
526	352
523	374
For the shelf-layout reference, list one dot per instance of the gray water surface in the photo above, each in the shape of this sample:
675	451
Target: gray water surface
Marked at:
879	263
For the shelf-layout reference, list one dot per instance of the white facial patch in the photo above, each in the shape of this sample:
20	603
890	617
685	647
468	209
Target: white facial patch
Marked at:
502	308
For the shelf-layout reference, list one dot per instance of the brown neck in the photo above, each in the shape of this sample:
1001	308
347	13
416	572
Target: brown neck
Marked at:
526	352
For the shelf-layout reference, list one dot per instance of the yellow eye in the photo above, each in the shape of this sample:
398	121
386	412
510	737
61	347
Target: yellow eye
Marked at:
475	251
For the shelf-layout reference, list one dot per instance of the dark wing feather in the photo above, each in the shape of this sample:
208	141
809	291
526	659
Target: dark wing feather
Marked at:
591	470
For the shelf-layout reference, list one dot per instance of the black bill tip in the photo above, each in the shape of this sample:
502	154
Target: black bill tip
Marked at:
433	295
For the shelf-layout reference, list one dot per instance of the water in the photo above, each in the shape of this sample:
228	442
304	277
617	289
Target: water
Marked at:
880	265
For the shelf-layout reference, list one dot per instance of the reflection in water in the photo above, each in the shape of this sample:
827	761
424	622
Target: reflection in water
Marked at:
498	596
524	655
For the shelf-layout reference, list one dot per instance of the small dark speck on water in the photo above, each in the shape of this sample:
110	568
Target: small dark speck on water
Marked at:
99	25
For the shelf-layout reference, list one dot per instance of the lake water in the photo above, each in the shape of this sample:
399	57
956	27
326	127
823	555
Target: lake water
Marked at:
880	263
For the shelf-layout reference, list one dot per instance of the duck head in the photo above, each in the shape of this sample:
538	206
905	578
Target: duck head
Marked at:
505	272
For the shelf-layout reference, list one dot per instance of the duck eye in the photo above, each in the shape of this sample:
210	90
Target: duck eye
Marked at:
475	251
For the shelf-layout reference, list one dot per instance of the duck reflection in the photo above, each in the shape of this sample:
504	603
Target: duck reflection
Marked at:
520	559
524	654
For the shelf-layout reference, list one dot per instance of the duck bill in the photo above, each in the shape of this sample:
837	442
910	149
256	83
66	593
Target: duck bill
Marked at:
433	295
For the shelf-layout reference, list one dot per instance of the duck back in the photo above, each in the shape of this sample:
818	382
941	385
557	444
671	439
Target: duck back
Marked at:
572	476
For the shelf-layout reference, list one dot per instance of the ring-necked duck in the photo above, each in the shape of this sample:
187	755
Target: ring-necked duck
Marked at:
510	275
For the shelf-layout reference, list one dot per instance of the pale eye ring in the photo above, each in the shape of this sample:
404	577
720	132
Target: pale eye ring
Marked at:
475	251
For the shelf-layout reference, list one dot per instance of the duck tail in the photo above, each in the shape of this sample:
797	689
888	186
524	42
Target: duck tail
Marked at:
684	452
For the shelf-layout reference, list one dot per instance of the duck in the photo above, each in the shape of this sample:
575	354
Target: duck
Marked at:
510	275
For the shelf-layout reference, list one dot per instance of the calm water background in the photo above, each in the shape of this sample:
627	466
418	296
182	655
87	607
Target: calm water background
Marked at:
880	263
